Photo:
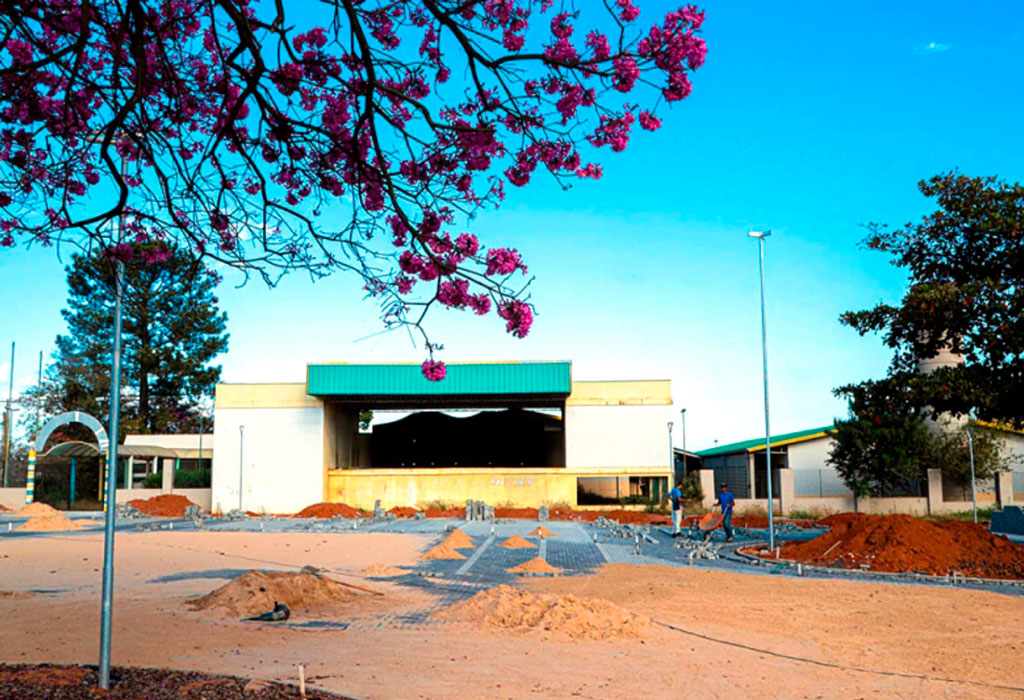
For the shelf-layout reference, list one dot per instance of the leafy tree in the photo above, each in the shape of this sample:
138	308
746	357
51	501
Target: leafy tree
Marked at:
966	295
172	331
338	135
964	298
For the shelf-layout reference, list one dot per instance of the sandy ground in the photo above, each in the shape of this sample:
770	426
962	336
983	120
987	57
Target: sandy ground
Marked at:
938	632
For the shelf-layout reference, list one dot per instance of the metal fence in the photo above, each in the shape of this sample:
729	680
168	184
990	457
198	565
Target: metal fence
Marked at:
819	483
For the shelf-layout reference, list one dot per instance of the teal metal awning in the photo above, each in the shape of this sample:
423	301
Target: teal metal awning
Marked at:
476	383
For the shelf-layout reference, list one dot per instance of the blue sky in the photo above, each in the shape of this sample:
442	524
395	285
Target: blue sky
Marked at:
809	118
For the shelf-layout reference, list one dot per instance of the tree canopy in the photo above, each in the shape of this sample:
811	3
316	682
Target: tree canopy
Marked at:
172	332
341	134
964	304
965	296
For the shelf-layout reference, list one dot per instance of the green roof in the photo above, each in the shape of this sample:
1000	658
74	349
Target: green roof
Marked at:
746	445
547	379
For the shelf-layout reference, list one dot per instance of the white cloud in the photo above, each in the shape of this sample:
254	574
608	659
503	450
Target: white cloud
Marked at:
934	47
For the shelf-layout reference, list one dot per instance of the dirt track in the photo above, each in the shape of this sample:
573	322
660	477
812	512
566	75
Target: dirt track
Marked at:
939	632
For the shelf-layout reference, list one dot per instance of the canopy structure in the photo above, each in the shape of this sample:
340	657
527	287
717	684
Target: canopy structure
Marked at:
467	385
88	449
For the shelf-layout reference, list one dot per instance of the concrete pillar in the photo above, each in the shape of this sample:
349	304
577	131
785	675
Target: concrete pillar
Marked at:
167	475
787	493
751	476
707	487
934	491
129	469
1004	488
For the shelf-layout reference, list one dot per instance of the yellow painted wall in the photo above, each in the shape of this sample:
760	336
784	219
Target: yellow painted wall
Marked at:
523	487
264	396
653	392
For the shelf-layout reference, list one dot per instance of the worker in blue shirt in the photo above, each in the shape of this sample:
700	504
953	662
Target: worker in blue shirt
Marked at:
676	498
726	501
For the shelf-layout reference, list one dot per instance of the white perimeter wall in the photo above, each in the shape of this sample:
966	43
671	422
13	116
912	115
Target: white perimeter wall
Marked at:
283	458
810	454
617	436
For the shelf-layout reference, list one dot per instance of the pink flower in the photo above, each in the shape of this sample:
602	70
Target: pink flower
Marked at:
592	170
434	370
518	316
649	122
629	11
503	261
626	73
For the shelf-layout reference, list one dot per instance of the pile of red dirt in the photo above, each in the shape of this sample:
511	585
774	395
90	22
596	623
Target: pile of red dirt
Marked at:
517	542
516	513
509	608
3	508
904	543
329	510
167	505
256	592
457	513
403	512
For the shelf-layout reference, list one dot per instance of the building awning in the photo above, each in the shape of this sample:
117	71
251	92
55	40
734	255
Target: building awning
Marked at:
471	384
88	449
756	444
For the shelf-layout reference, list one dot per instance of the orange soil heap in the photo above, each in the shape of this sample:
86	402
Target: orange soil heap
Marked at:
37	508
458	539
51	523
442	551
403	511
329	510
256	592
904	543
3	508
505	607
168	505
46	675
517	542
541	531
458	513
382	570
534	566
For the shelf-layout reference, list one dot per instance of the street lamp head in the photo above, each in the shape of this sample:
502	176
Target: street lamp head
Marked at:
759	234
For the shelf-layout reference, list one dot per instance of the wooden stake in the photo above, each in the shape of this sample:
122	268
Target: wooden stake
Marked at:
302	680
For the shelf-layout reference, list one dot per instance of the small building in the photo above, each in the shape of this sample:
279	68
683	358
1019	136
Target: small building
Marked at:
520	434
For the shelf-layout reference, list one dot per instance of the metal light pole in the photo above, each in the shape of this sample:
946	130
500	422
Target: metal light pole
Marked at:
760	236
241	447
682	416
8	418
671	460
970	450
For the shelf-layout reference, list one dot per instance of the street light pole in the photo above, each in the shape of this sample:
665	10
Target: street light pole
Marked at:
671	460
241	447
682	417
760	236
974	491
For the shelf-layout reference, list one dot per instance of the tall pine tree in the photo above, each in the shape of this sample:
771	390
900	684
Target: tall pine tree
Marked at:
172	331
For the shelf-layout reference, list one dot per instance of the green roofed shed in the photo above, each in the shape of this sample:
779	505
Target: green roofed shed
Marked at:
476	383
758	443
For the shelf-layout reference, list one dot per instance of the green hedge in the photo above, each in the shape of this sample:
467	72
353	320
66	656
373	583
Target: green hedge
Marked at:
192	480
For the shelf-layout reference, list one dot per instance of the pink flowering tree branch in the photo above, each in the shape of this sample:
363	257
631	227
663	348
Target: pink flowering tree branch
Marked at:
357	142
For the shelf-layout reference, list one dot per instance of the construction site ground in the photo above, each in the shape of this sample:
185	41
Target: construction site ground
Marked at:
721	628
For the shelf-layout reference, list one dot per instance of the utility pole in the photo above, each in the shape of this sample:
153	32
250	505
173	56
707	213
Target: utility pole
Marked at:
682	415
8	418
760	236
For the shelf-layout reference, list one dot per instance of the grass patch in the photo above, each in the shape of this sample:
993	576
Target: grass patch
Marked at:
984	515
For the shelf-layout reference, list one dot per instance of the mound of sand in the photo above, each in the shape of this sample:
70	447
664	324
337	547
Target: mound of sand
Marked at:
458	539
904	543
535	566
506	607
51	523
541	531
403	512
442	551
168	505
256	592
38	508
329	510
517	542
382	571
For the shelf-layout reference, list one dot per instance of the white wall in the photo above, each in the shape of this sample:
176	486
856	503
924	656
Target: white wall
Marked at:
617	436
283	455
810	454
171	442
